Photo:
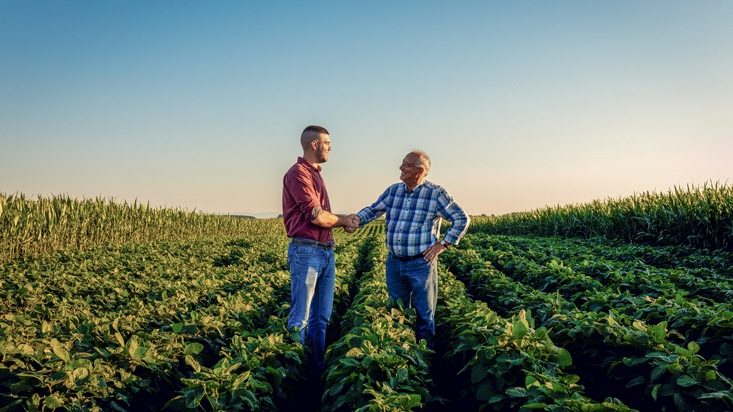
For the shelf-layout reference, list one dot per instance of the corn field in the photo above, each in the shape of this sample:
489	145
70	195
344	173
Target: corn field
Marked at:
32	226
696	216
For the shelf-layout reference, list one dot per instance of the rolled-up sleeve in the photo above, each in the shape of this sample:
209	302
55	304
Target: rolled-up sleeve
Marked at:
300	186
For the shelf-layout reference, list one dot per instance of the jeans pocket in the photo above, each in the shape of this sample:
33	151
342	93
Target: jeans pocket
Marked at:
305	251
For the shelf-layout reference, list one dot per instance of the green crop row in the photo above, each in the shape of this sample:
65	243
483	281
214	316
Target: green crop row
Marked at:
693	301
376	365
510	364
652	371
121	327
717	263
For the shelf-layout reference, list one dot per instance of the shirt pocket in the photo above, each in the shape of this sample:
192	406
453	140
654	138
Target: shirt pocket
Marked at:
422	220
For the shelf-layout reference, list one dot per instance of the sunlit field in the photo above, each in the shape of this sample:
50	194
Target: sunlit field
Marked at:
613	305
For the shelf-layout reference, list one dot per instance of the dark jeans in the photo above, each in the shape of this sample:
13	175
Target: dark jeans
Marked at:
416	283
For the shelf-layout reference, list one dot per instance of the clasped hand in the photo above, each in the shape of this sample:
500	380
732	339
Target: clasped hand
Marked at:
352	222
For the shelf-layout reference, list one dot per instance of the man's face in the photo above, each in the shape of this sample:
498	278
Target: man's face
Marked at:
323	146
409	170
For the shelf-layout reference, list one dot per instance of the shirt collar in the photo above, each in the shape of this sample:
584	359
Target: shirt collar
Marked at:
309	164
416	188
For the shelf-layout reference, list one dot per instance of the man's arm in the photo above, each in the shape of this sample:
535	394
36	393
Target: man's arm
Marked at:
369	213
450	211
453	213
326	219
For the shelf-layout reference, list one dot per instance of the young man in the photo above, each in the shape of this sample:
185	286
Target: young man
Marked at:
308	222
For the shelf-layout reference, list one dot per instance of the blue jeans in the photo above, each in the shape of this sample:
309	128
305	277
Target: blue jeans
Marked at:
416	283
312	272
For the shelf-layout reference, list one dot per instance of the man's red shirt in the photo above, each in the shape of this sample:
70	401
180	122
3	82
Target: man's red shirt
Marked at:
303	190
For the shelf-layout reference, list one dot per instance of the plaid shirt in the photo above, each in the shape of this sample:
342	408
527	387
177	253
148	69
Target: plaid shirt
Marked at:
413	219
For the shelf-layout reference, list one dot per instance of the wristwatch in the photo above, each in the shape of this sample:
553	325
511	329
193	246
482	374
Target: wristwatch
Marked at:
444	243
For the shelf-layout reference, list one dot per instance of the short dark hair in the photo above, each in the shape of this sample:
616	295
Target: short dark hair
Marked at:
316	129
311	133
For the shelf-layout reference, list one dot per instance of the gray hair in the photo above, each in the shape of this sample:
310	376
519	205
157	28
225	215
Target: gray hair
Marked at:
423	160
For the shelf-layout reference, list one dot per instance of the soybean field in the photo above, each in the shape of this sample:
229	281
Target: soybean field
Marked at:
614	306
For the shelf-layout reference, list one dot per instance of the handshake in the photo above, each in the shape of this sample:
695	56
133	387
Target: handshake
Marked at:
349	222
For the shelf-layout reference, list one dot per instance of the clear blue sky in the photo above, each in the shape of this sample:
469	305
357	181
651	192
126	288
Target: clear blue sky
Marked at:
200	105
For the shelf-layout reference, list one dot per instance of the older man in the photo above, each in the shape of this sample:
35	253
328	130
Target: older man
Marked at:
308	222
415	209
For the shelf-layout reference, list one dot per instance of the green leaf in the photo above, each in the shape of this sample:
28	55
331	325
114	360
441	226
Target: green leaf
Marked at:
353	341
20	387
190	361
139	353
478	373
680	403
564	358
722	395
336	389
536	405
726	349
354	353
177	327
410	402
485	392
686	381
639	380
520	329
132	347
295	335
495	399
710	375
240	379
349	362
119	338
193	348
516	392
59	350
52	402
79	374
658	332
657	372
628	361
